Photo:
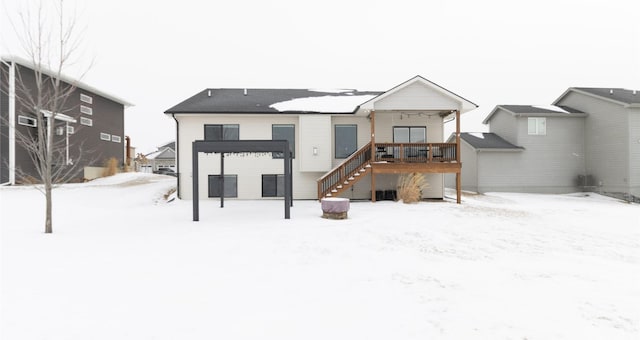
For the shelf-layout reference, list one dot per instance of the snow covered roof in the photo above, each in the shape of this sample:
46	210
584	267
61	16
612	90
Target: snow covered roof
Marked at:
536	111
164	153
273	101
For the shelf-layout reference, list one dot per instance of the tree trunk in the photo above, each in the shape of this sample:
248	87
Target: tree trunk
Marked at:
48	224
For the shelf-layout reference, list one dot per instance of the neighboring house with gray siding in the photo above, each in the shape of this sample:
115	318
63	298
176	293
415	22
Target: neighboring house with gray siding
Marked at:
612	136
589	139
91	126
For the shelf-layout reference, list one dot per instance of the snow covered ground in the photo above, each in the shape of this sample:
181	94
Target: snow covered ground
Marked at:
124	264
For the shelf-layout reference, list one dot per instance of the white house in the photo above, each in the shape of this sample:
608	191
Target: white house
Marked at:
345	143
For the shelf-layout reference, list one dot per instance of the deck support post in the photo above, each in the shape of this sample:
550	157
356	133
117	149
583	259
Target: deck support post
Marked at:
459	173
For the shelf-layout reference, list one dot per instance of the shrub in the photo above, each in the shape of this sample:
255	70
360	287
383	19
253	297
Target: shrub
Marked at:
111	168
410	187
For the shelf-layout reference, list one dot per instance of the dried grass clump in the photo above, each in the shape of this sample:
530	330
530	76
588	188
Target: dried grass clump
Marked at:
111	168
410	187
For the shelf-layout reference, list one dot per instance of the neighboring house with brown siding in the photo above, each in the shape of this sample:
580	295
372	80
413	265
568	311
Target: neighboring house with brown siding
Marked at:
92	123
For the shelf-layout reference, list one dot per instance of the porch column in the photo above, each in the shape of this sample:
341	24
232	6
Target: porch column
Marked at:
372	120
459	173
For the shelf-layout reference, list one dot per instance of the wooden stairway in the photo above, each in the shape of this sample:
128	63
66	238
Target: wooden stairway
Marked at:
349	172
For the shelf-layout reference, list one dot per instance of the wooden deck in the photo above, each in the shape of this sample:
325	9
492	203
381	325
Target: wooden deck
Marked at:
389	158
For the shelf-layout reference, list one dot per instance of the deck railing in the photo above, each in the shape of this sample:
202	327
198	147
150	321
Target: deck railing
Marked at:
347	169
415	152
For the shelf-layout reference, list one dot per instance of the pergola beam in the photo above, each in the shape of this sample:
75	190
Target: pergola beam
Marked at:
228	146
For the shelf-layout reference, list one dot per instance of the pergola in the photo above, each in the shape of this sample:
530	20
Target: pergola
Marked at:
231	146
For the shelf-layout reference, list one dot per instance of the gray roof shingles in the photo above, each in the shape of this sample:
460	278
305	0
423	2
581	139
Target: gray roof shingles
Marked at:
487	140
531	109
255	100
617	94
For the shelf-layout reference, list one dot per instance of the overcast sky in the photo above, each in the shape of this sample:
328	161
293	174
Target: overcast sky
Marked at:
157	54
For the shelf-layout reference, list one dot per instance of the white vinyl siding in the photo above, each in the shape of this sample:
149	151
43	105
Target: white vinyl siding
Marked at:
105	136
314	132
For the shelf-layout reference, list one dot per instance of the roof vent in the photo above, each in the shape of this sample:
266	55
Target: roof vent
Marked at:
245	92
611	91
209	93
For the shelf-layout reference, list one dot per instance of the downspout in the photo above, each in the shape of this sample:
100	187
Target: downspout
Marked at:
177	155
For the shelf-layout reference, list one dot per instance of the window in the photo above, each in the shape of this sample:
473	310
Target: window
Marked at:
70	129
86	110
105	136
27	121
115	138
272	185
537	125
346	140
286	132
86	99
86	121
222	132
409	134
230	185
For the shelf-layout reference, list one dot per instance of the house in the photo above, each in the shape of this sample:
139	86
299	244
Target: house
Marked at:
345	143
589	139
91	126
611	137
163	157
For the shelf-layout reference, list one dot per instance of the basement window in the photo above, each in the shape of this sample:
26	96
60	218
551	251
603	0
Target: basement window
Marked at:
230	185
272	185
105	136
27	121
115	138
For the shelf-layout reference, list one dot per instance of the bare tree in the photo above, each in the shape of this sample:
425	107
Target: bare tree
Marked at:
50	42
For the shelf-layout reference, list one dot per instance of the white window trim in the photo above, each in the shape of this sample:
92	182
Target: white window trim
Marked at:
86	98
86	121
105	136
70	129
86	110
116	139
33	120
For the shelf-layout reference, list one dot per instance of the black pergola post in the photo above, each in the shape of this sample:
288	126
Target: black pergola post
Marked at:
194	181
280	146
222	180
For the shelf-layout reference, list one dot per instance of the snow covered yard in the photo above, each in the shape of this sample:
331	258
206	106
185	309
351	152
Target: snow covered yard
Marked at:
123	264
